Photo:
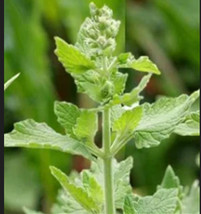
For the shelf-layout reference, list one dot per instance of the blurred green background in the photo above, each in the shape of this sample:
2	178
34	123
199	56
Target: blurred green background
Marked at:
167	31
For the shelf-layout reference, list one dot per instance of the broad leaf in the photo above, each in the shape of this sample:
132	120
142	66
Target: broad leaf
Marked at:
191	125
128	121
78	193
31	134
129	206
67	115
86	126
10	81
92	187
144	64
72	59
191	203
164	201
161	118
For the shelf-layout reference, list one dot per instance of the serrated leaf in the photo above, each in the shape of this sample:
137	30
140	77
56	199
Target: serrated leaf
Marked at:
121	177
191	203
128	121
164	201
30	134
191	125
92	187
170	180
86	126
122	185
72	59
10	81
144	64
132	97
78	193
65	204
128	206
161	118
67	115
119	82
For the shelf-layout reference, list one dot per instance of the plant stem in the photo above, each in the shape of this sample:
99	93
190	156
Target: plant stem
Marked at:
108	173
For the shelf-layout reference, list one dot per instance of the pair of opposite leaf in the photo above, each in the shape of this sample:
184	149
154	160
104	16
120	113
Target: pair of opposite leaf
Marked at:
95	70
83	194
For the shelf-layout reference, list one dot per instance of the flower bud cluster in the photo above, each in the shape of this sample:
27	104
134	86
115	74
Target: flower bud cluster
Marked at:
97	34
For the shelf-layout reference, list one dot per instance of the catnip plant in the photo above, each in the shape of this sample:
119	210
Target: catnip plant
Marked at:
105	187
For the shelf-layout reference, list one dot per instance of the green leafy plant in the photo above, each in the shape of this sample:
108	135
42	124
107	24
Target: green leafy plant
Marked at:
105	187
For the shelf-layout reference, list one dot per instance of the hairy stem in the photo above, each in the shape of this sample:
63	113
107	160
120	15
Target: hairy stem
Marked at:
108	173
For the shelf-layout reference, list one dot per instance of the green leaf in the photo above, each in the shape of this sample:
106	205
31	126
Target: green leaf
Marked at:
191	125
191	203
170	180
161	118
119	82
78	193
122	185
10	81
31	134
67	115
72	59
86	126
128	121
65	204
144	64
92	187
164	201
27	211
121	177
129	206
132	97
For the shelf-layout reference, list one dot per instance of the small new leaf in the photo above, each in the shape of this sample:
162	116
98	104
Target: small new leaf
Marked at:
30	134
86	126
67	115
72	59
128	121
78	193
144	64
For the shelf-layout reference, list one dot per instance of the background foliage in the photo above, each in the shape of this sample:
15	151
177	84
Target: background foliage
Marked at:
167	31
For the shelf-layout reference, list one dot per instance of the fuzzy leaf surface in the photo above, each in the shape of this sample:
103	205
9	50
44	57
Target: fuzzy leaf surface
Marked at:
72	59
30	134
128	206
78	193
191	125
128	121
86	126
164	201
67	115
161	118
144	64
